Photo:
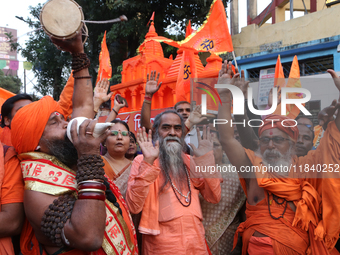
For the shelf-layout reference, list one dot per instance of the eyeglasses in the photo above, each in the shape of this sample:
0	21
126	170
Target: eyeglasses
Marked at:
116	132
276	140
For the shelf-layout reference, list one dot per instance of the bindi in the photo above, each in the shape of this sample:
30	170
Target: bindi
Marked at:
271	132
57	113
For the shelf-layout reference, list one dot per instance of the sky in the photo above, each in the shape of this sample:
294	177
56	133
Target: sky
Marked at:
20	8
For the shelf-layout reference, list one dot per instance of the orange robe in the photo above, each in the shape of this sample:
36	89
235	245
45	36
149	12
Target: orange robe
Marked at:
5	136
119	228
316	204
11	189
169	227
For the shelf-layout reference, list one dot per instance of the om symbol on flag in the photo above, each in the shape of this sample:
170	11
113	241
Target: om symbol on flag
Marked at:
207	44
187	72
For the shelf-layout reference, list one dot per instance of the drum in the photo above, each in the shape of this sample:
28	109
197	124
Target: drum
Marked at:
62	19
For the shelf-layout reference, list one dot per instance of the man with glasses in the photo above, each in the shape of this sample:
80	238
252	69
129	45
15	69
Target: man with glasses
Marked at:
288	211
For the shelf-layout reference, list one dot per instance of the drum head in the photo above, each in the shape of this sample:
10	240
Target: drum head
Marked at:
61	18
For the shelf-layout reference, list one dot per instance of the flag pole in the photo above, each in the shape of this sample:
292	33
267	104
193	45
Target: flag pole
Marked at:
235	59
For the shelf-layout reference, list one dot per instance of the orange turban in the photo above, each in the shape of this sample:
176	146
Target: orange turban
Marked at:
275	121
29	123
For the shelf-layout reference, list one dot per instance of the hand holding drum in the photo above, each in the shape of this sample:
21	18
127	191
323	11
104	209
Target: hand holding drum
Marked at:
64	19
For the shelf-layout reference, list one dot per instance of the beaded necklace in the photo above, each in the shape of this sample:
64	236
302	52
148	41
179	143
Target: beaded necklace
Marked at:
174	188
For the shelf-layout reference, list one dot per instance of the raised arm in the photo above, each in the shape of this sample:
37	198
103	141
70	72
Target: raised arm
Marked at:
208	183
115	110
82	95
151	87
230	145
143	172
247	134
337	84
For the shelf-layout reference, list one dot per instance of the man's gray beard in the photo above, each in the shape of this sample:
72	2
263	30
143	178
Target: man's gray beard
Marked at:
283	160
171	161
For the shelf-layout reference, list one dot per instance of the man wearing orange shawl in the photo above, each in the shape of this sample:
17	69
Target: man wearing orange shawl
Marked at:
67	208
164	185
286	208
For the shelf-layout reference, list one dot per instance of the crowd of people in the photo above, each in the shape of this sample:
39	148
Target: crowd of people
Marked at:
106	195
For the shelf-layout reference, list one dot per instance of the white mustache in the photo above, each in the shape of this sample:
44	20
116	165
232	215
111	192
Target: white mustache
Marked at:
172	138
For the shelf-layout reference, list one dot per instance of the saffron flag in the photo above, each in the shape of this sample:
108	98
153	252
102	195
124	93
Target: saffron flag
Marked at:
187	70
294	82
105	69
151	19
279	81
212	36
188	29
279	77
292	111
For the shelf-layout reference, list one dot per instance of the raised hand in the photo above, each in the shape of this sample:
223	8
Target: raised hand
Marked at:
335	78
226	76
73	45
150	151
100	91
241	83
117	106
195	116
152	86
205	144
327	113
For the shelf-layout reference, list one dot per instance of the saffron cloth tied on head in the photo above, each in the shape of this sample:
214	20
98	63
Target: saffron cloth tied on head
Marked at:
275	121
29	123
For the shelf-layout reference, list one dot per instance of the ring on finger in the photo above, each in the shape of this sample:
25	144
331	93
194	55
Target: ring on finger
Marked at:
88	133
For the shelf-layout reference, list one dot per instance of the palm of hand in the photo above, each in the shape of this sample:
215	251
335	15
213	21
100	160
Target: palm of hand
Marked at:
243	85
148	150
195	117
100	93
204	147
151	87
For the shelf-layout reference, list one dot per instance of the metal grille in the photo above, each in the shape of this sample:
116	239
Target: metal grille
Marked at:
309	66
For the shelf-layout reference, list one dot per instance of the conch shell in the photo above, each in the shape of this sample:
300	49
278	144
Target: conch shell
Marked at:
99	128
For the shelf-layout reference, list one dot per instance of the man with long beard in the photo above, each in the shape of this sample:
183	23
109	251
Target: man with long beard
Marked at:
290	208
164	186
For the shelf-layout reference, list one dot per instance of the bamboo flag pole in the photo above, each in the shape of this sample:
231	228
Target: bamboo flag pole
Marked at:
235	60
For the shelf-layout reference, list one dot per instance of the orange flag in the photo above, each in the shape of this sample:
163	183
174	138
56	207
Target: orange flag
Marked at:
187	70
292	111
212	36
279	75
105	69
151	19
279	81
294	82
188	29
